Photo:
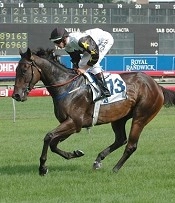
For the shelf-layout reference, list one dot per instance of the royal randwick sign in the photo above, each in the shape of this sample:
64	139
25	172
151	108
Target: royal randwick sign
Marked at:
140	63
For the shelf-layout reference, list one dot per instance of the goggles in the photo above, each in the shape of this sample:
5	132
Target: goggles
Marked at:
58	41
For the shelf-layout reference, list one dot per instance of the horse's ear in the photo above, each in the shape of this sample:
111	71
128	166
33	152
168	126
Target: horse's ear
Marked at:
20	51
29	53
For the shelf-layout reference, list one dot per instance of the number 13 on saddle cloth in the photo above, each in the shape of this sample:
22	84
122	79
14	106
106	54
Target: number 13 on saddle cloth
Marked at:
115	84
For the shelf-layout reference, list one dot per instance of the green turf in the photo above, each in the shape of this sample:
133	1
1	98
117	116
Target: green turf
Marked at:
147	177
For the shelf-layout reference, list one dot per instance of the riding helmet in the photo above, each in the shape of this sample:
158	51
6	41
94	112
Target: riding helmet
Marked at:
58	33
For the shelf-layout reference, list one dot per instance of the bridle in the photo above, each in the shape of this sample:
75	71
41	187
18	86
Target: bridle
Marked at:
34	65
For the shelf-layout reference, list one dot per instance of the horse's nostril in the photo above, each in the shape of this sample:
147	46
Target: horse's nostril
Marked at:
16	97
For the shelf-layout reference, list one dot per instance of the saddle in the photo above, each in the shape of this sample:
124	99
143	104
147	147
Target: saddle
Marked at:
116	85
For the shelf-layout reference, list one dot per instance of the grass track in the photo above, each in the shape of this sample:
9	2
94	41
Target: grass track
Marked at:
147	177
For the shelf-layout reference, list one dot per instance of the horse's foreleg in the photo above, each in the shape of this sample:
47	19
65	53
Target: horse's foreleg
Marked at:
67	155
59	134
42	168
120	139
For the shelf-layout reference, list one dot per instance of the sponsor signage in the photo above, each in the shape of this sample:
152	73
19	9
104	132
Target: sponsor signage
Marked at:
133	62
3	92
139	63
38	92
109	63
8	66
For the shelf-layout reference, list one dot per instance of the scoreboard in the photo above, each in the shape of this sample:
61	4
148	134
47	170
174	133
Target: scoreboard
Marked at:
136	28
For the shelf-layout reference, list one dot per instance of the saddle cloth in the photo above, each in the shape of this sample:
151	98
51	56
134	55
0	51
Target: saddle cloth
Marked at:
115	84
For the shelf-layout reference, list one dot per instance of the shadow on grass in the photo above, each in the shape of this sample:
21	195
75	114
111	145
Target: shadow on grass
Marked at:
33	169
18	169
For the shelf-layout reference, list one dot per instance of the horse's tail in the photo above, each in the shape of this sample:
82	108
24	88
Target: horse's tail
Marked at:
169	97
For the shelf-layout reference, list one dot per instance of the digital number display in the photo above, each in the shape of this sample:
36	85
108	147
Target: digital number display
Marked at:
136	28
54	15
44	13
10	42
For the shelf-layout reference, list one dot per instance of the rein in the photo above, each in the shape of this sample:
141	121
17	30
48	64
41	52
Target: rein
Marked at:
60	84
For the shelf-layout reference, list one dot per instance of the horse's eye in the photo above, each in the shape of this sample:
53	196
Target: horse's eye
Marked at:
23	71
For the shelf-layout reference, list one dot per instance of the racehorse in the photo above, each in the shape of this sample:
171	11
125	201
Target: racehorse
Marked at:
74	110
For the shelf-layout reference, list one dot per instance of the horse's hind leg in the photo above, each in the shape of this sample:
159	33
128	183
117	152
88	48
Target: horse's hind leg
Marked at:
136	129
140	120
120	139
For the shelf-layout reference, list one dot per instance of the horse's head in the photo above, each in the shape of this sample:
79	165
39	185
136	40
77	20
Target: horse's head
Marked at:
27	75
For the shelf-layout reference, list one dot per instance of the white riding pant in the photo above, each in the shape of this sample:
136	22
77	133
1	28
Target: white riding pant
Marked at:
104	47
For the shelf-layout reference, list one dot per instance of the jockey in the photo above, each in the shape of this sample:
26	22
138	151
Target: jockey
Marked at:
86	49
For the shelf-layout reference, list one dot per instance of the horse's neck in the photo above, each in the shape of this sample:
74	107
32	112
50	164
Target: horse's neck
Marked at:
51	73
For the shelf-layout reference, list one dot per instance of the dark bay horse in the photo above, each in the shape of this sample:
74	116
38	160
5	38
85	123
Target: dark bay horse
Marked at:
74	111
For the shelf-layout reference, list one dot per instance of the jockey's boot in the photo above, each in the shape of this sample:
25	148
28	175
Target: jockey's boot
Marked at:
104	92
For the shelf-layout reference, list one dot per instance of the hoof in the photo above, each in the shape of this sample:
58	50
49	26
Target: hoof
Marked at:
97	165
78	153
115	169
43	171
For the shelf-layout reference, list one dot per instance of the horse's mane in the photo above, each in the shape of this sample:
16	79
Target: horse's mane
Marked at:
49	54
